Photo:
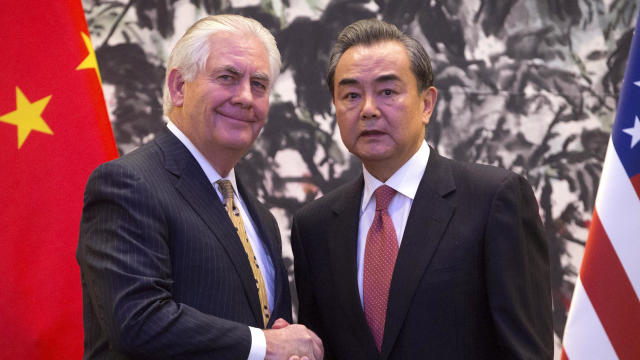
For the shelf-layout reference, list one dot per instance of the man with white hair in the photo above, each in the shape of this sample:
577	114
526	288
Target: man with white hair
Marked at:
177	259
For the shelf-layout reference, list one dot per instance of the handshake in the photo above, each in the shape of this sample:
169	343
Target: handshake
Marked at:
292	342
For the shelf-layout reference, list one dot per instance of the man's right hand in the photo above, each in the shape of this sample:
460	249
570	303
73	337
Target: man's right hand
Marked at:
285	341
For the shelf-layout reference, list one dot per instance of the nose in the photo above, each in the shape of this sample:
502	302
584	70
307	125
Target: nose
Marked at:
369	108
243	95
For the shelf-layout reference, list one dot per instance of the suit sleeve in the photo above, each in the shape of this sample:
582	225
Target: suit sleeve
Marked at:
123	253
308	314
517	273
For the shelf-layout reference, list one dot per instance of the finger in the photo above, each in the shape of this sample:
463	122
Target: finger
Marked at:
318	348
318	351
280	323
295	357
316	340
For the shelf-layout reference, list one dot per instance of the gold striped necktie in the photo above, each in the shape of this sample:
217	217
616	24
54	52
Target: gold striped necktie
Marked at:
227	193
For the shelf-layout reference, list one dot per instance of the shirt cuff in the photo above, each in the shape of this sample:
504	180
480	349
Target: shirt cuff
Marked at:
258	349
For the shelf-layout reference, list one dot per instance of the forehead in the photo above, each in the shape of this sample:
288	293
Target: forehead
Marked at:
362	62
243	51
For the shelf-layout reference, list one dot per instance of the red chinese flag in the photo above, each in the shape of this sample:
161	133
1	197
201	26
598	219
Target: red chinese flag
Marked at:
54	130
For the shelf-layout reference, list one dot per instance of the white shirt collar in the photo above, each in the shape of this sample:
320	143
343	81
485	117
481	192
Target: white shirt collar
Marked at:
405	181
211	173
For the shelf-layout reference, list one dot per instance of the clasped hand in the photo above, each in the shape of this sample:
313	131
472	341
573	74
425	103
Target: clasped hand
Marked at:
292	342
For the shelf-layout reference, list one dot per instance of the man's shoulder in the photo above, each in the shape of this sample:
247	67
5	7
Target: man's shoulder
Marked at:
477	172
144	158
329	201
481	178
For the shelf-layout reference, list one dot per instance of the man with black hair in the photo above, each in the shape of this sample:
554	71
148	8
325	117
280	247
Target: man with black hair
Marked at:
420	257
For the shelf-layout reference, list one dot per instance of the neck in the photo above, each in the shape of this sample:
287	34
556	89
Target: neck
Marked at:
385	168
380	170
222	161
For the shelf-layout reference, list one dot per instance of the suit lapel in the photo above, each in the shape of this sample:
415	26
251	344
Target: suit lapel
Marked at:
343	241
428	219
192	183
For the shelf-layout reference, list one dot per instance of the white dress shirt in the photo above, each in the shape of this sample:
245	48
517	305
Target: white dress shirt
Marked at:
405	182
258	341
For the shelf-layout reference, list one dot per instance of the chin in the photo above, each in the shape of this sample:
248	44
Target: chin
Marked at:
373	153
237	139
237	144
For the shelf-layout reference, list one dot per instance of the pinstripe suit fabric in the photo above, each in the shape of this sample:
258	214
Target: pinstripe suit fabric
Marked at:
164	274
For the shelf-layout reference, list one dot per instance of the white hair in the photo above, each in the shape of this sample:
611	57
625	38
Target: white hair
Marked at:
192	51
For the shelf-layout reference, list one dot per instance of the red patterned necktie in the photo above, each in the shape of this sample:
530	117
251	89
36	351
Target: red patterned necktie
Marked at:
380	255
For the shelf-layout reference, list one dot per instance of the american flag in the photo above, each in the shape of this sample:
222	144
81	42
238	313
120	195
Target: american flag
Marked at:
604	318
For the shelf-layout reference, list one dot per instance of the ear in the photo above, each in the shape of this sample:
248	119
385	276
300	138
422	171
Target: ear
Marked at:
429	97
175	82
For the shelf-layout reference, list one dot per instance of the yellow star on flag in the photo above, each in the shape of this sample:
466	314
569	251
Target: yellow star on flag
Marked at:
27	116
90	62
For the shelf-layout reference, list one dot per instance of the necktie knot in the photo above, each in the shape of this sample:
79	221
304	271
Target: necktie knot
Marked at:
226	188
383	194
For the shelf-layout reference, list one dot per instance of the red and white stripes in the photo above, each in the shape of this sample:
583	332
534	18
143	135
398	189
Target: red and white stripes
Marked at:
604	318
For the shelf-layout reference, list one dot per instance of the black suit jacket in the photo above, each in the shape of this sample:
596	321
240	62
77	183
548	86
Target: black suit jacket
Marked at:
471	280
164	274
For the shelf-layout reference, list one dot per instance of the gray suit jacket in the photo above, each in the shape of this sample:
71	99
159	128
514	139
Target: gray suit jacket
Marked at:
164	274
471	279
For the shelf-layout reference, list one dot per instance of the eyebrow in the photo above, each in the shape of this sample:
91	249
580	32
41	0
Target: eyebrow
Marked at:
389	77
379	79
229	68
235	71
347	81
260	76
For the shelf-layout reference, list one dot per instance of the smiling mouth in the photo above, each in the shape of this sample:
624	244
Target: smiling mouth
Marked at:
236	118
